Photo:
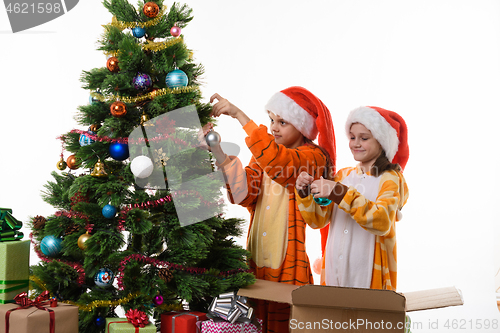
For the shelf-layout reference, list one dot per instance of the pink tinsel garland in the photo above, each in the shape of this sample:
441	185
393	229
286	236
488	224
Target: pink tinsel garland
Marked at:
75	265
160	263
82	216
126	140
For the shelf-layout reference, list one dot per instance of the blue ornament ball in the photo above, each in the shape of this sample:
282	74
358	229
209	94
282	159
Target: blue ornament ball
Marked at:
176	79
138	32
109	211
118	151
93	100
99	321
104	277
142	81
323	201
85	140
51	245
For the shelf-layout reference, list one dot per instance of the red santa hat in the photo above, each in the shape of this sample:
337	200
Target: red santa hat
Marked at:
387	127
307	114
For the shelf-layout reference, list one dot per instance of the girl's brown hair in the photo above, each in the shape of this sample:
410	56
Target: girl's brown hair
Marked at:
329	167
382	164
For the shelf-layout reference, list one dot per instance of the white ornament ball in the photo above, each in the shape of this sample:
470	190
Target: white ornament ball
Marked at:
142	166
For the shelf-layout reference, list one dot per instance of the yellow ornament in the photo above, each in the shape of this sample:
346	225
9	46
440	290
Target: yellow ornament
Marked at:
99	171
82	239
61	165
145	119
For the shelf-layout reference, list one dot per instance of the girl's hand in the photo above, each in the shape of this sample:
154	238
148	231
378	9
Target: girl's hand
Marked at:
303	180
223	106
322	188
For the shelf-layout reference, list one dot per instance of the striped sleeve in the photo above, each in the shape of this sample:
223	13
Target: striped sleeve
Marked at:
242	184
283	165
314	215
377	217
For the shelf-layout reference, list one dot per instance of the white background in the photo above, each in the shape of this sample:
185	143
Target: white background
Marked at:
434	62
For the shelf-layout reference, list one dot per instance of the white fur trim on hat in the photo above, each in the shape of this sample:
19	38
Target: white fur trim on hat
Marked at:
381	130
285	107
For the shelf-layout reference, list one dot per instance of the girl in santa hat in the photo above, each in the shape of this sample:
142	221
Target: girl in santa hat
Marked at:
361	246
276	236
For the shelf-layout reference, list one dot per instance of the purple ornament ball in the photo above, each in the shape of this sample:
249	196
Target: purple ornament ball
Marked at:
142	81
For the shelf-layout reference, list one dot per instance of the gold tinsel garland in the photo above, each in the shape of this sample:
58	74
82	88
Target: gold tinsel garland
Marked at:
130	25
151	95
154	46
38	282
158	46
101	304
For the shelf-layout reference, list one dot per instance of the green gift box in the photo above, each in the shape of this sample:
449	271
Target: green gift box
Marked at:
14	269
121	325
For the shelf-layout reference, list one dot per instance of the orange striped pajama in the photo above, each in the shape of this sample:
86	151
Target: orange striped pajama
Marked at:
276	237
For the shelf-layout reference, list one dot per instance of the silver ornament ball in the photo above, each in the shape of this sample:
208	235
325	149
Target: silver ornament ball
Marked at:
212	138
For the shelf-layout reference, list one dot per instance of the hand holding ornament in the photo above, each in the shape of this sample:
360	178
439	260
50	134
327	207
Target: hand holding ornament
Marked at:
210	140
303	180
202	142
320	188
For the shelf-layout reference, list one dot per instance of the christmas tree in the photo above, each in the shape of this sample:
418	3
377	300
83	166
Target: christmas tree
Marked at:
138	221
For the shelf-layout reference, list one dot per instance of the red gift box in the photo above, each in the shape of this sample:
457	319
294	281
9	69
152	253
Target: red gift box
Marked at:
181	322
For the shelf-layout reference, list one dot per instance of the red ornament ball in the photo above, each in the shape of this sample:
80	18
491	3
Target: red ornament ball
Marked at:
151	9
72	162
112	64
118	109
175	31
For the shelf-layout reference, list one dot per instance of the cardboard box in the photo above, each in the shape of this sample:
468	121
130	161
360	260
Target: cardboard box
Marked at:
316	308
14	269
121	325
34	320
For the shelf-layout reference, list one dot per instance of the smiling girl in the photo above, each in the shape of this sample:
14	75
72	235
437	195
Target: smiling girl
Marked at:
361	247
276	236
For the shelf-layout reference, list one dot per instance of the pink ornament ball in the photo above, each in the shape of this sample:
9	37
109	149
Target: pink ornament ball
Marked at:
158	300
175	31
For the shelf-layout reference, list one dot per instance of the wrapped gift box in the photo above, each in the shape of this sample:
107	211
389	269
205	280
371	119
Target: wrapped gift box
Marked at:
14	269
181	322
121	325
217	325
34	320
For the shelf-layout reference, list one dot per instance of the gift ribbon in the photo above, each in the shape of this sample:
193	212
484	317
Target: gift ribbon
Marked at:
19	284
10	236
231	308
24	302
